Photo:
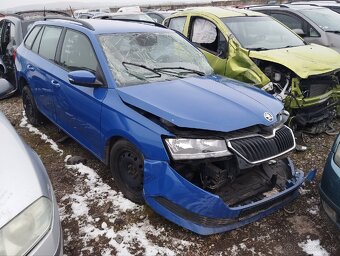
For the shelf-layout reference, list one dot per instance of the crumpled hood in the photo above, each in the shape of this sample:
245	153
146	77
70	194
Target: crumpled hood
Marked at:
304	60
210	103
21	178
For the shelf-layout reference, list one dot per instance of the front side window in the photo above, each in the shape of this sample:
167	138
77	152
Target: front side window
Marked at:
206	35
288	20
77	53
177	24
137	58
49	42
261	33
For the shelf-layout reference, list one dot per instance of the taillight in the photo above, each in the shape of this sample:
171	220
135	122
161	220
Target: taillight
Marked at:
14	54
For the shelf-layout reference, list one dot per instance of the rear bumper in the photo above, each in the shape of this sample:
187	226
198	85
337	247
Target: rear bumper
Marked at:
191	207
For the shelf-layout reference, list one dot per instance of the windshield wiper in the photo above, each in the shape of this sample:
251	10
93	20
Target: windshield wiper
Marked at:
258	49
125	64
187	70
333	31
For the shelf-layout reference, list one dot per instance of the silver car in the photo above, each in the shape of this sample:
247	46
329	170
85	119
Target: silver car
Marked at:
29	218
315	24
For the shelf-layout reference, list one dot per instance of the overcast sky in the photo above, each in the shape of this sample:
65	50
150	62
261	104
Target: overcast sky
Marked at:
15	3
6	4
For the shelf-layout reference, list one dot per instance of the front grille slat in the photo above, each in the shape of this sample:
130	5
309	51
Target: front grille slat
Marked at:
257	148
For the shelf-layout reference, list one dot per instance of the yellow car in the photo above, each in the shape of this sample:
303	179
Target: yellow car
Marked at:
255	48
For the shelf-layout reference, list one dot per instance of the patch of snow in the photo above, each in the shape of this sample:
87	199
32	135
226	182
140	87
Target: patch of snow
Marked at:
313	247
314	210
132	236
303	191
24	123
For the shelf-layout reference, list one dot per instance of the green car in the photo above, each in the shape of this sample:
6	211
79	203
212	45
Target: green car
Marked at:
255	48
330	184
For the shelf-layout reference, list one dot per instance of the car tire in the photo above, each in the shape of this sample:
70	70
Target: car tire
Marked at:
32	113
127	168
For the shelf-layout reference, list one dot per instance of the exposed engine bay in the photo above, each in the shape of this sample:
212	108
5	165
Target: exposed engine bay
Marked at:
295	92
234	185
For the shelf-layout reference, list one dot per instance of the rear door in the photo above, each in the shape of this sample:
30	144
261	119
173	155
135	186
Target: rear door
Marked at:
40	66
78	108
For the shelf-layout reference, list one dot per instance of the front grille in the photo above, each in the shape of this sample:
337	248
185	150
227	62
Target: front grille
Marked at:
316	86
257	148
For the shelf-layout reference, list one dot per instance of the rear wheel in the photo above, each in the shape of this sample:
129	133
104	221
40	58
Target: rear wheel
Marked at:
127	167
32	113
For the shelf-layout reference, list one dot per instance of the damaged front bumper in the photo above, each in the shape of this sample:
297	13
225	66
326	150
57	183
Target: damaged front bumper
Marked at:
184	203
314	114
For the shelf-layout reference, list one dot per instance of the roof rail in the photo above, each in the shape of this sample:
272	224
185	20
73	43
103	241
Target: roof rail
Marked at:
132	20
267	5
14	15
44	12
81	22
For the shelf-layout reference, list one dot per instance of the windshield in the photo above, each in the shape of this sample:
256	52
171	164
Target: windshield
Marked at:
136	58
326	19
261	33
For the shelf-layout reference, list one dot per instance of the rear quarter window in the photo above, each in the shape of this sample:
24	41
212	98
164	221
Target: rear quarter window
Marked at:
30	38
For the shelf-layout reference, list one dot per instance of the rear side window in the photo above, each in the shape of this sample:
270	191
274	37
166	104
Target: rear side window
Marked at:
77	52
49	42
30	39
177	24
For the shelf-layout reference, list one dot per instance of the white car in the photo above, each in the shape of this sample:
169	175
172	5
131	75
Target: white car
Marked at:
29	218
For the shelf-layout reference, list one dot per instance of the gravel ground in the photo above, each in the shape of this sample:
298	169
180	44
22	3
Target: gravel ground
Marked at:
98	220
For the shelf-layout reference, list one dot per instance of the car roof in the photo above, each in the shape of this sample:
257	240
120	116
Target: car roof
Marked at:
221	12
318	3
296	7
98	26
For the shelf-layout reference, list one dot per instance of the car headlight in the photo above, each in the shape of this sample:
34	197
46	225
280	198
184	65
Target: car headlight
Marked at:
186	149
337	156
23	232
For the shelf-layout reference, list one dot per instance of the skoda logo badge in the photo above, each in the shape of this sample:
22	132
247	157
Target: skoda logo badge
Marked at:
268	116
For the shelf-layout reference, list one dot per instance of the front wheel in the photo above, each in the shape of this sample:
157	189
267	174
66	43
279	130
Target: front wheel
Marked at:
32	112
127	167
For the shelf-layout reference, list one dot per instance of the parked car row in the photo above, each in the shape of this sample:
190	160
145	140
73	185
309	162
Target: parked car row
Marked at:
164	110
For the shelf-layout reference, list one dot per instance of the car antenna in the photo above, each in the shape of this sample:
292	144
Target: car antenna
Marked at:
71	11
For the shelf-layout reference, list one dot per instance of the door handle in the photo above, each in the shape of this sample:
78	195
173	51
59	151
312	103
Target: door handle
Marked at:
55	83
30	67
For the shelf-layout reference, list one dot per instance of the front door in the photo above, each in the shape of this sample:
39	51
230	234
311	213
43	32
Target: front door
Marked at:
211	41
78	108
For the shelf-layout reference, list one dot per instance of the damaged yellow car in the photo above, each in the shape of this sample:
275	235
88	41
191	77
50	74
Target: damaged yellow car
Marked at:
255	48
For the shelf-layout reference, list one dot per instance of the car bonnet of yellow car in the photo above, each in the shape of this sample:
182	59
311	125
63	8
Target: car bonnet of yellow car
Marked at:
304	61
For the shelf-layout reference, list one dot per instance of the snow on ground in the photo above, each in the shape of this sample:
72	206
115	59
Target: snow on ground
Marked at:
92	190
132	237
313	247
24	123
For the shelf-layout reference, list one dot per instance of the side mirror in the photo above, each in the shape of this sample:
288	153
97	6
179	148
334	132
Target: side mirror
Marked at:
83	78
299	31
